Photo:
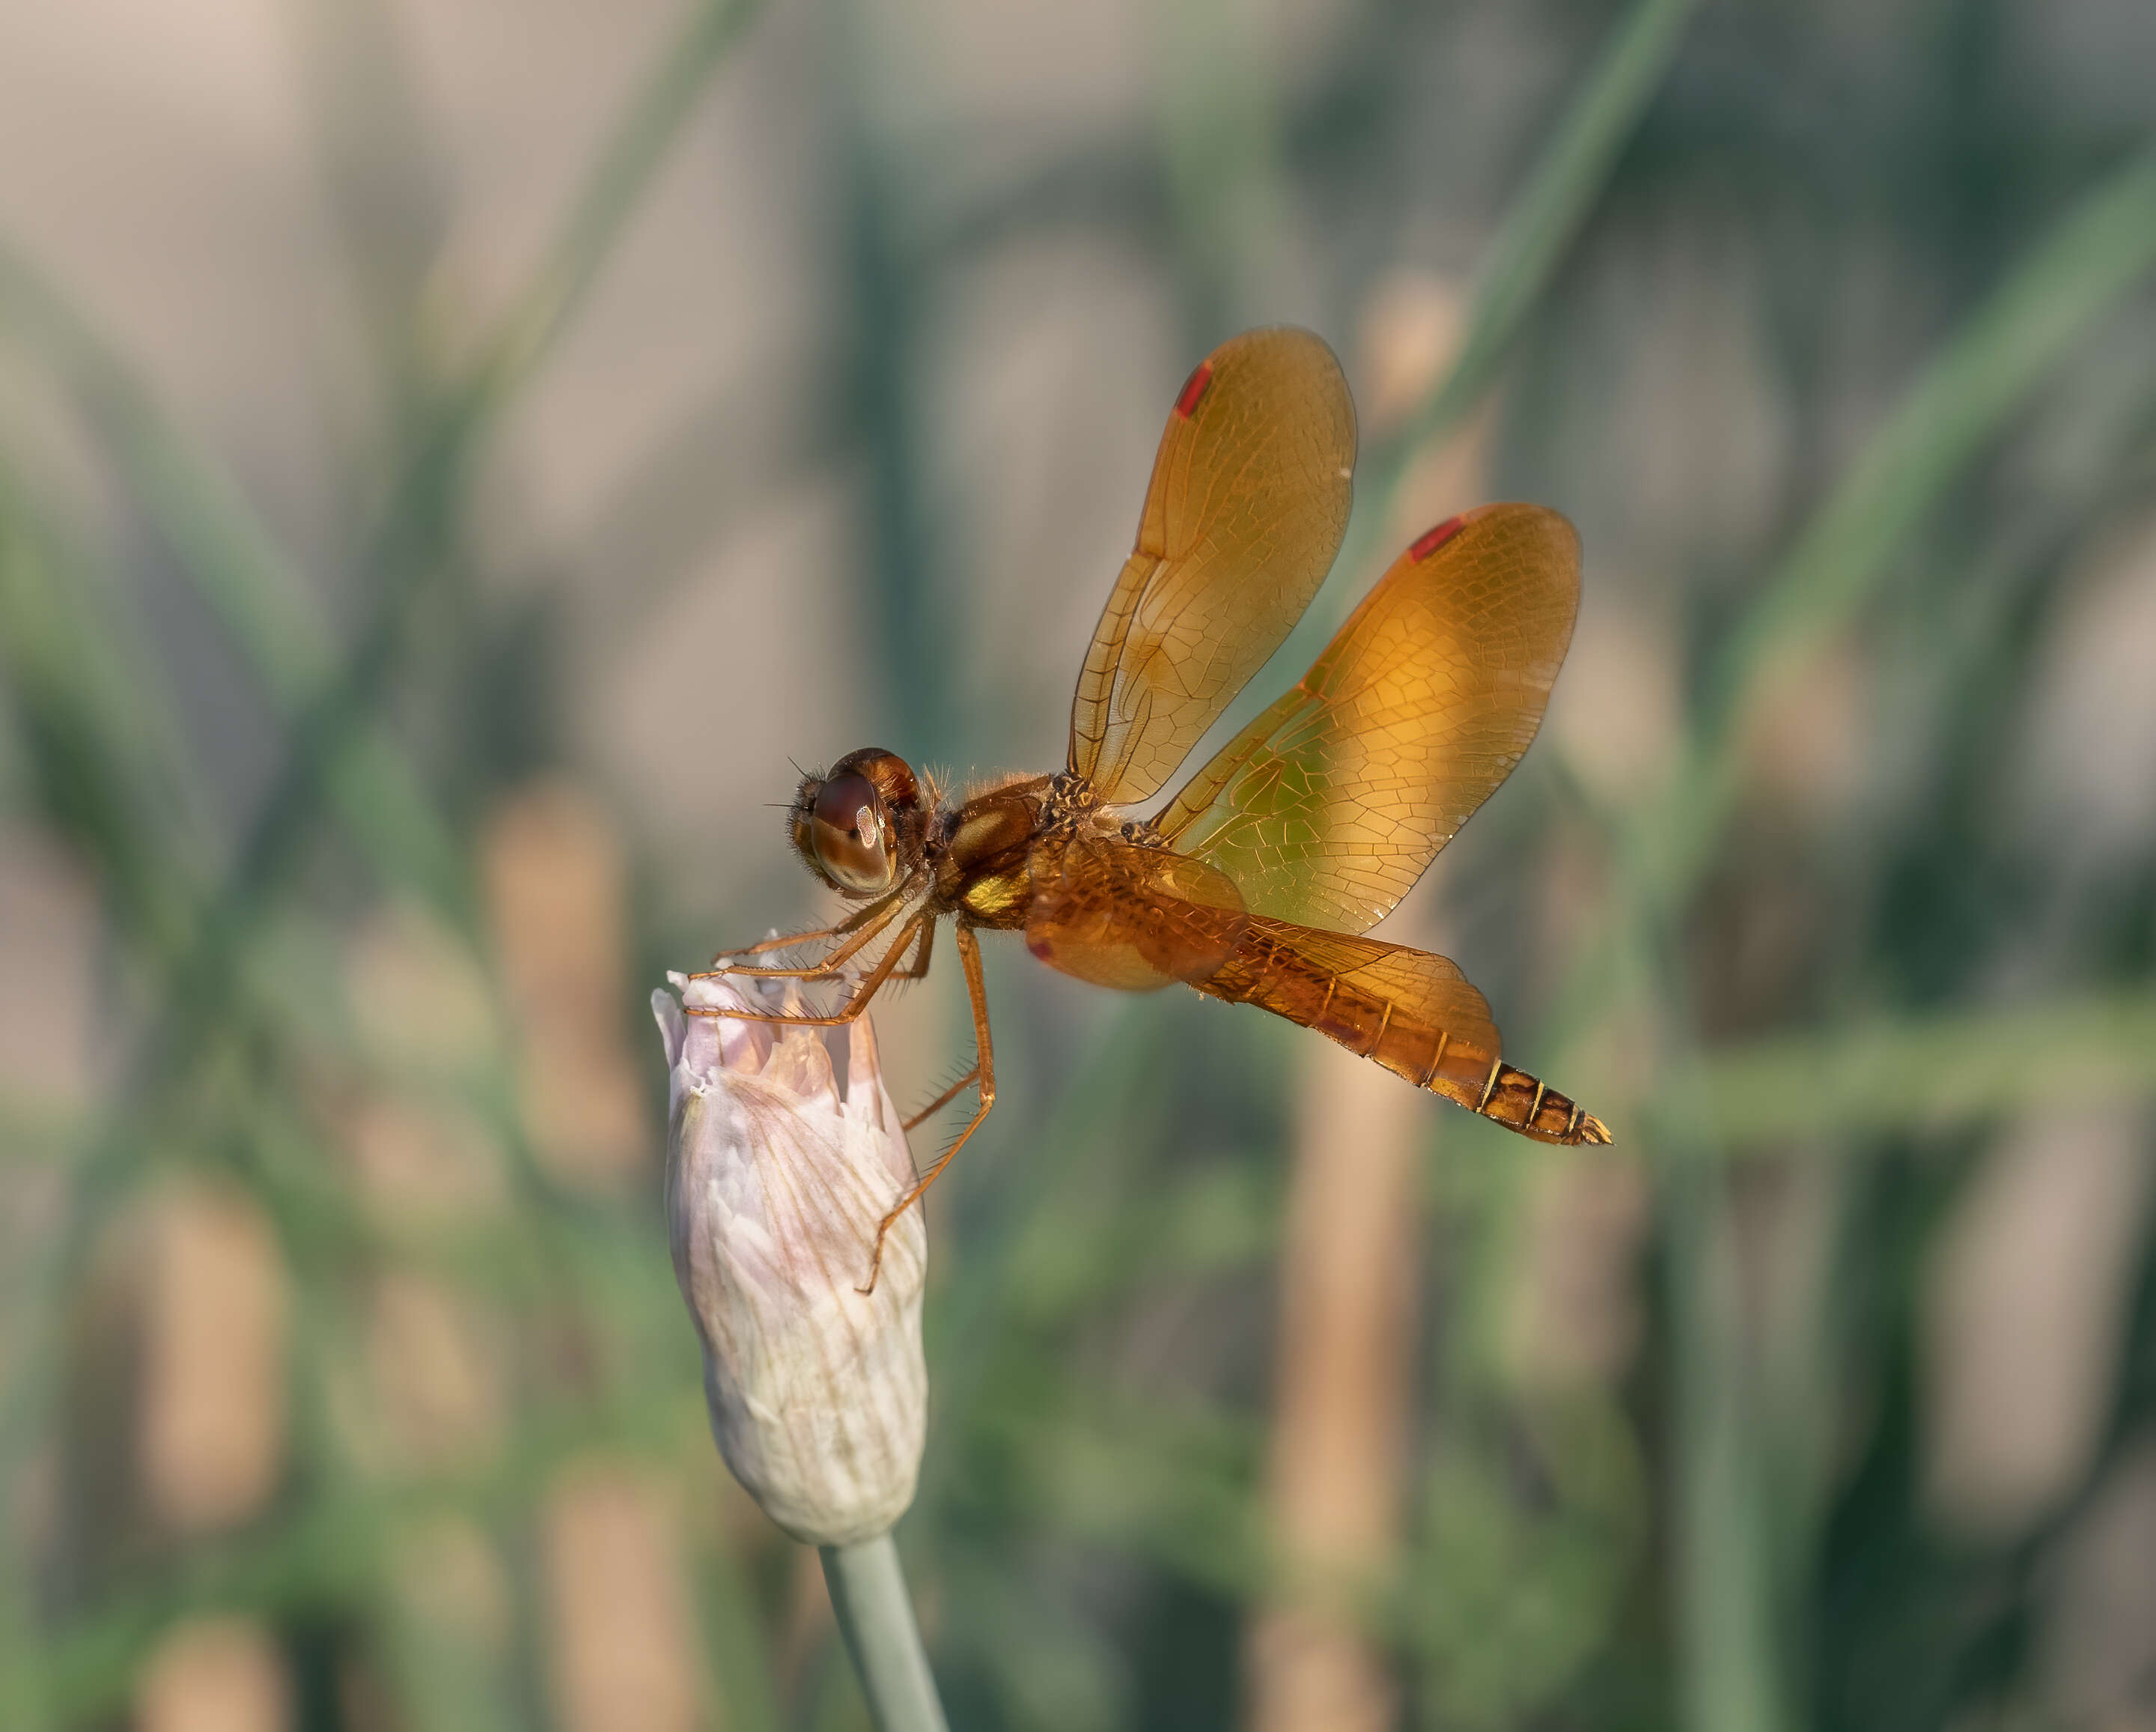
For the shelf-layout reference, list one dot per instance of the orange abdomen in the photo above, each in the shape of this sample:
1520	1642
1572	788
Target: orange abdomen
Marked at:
1409	1010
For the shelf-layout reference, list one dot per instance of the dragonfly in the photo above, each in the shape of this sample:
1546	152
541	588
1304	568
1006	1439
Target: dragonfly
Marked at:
1257	882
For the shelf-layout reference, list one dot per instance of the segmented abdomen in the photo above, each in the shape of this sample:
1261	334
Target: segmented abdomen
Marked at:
1412	1012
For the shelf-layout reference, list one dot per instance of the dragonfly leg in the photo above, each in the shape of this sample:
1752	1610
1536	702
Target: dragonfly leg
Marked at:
943	1100
835	958
969	959
876	917
918	967
845	1014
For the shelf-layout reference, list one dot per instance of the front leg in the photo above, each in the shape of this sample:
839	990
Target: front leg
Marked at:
969	959
852	1009
943	1100
875	917
917	969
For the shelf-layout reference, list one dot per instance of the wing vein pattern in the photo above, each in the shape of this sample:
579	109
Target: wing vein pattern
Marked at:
1247	505
1329	806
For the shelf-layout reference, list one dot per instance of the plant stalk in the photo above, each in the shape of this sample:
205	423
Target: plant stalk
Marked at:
868	1592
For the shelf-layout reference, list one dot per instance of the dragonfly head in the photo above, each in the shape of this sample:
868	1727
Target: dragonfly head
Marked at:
861	825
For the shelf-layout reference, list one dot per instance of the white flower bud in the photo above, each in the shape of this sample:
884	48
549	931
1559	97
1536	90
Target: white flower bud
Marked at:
777	1175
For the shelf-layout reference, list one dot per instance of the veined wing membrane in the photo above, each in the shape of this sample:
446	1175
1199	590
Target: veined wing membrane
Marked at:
1245	513
1334	800
1127	916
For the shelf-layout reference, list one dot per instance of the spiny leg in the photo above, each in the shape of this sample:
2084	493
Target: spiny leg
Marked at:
779	941
915	970
788	941
853	1008
918	967
969	959
943	1100
885	912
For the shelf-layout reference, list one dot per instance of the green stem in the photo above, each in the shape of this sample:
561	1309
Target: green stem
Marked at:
868	1592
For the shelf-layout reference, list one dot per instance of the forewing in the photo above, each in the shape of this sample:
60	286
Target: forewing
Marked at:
1130	917
1248	502
1331	803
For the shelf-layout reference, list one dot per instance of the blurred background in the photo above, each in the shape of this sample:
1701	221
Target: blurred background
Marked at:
454	454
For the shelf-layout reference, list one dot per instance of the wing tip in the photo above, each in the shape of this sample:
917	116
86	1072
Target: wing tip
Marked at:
1430	540
1194	389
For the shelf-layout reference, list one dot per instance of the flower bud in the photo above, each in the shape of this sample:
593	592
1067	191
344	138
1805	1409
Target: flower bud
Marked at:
776	1175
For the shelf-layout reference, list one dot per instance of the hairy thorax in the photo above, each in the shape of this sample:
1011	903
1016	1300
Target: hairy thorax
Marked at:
985	868
981	871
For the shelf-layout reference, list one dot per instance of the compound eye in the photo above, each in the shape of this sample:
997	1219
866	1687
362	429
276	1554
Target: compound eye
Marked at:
846	829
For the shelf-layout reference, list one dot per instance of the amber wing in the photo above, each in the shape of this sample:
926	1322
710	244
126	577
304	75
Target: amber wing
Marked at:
1248	502
1140	917
1412	1012
1331	803
1127	916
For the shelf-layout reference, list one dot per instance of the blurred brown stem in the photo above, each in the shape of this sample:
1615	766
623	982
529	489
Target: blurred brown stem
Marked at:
1341	1405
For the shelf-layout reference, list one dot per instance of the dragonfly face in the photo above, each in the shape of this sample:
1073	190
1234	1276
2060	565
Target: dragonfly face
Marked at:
860	827
1255	882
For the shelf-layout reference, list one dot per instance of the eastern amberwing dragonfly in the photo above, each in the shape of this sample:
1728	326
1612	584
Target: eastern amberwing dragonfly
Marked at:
1255	882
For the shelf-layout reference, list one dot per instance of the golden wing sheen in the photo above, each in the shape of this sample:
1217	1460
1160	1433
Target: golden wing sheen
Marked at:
1245	513
1334	800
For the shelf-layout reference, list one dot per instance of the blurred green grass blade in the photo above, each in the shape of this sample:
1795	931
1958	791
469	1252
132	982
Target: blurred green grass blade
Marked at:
1051	1671
2063	284
1732	1676
330	748
738	1650
1544	218
90	1667
23	1698
383	173
1178	1483
421	523
741	443
1960	404
334	1549
1216	114
633	154
254	589
418	527
333	748
37	1127
241	572
1538	227
93	735
1909	1072
266	605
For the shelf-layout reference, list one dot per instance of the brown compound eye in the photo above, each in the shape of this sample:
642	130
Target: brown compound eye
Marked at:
848	834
